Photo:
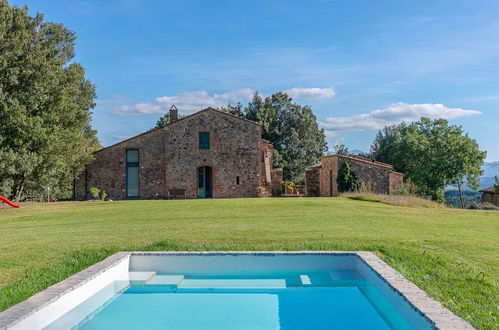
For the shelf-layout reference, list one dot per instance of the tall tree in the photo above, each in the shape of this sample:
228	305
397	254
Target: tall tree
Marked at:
431	153
45	104
341	149
291	128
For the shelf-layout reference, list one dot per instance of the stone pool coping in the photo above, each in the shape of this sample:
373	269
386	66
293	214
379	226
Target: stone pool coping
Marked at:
432	310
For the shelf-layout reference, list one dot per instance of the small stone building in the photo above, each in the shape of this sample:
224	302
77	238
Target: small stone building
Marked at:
489	196
209	154
377	177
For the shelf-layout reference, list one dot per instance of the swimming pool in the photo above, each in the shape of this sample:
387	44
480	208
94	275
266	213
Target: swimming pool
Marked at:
234	290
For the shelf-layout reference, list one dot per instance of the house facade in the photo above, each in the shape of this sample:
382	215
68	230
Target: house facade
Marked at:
376	177
209	154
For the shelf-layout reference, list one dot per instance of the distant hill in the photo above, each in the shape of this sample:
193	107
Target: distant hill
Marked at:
490	170
469	197
357	152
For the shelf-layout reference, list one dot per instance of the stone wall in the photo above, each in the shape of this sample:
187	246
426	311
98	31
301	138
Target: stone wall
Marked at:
375	176
108	170
276	176
312	182
328	176
234	152
265	163
169	158
396	181
490	198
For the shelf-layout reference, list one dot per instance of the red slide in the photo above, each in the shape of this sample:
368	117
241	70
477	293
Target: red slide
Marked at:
6	201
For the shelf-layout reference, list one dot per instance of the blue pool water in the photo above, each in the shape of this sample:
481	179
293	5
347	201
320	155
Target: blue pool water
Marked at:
297	299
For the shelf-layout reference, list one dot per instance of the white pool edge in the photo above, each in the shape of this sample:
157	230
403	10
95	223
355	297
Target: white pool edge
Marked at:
65	295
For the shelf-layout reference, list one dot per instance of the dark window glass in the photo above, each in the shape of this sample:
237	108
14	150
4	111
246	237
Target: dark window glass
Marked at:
132	173
204	140
132	156
237	180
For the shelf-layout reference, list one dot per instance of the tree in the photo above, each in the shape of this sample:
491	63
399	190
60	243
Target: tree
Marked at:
431	153
347	180
291	128
496	185
165	120
341	149
45	104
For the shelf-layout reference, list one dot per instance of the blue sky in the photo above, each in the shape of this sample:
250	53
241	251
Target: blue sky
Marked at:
359	64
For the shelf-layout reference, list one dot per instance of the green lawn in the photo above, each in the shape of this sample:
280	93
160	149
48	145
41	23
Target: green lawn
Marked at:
452	254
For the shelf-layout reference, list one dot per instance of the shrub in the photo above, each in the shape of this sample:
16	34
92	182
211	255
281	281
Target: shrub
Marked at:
261	191
313	192
103	195
289	185
347	180
408	189
489	207
483	206
95	192
276	191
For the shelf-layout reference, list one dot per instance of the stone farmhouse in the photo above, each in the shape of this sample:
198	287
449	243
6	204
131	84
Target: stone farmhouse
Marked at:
377	177
209	154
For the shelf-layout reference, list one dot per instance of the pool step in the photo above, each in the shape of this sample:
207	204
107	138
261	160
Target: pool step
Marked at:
233	284
140	277
166	280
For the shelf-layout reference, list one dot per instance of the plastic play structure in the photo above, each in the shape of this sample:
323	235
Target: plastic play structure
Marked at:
6	201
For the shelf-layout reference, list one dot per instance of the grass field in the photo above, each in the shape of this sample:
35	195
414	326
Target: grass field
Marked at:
451	254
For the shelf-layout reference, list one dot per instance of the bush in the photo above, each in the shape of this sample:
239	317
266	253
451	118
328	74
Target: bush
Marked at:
347	180
276	191
103	195
483	206
289	185
313	192
95	192
261	191
408	189
489	207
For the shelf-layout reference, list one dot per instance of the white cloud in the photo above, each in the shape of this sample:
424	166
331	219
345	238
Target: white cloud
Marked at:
394	114
186	102
138	109
193	101
189	102
311	93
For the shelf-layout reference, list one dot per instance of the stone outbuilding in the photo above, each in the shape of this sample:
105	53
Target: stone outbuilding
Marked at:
376	177
489	196
209	154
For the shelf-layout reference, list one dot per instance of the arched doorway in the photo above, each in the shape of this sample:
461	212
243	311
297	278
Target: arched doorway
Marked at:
204	182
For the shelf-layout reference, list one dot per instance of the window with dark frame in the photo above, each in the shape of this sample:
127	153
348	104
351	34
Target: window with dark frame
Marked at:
237	180
204	140
132	173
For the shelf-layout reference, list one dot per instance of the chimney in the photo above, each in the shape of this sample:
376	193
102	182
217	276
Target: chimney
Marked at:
173	114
